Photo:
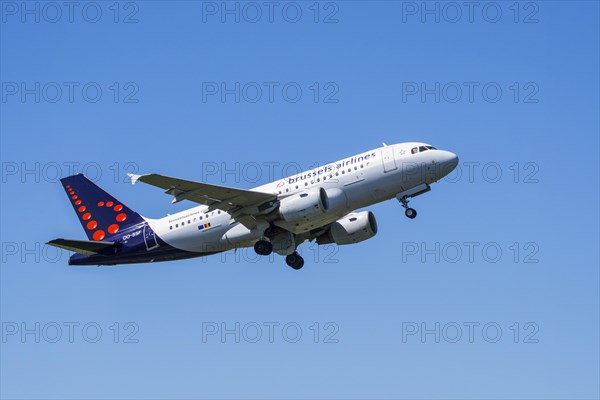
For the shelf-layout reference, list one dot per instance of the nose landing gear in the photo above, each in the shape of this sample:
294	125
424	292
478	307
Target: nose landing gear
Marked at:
410	212
413	192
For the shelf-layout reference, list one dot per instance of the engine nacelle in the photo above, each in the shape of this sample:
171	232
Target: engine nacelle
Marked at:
353	228
336	200
301	207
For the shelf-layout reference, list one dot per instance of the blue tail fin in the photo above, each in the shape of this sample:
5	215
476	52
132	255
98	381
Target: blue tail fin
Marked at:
100	214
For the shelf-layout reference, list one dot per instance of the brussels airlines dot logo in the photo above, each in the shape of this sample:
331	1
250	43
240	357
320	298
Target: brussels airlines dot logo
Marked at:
280	184
86	214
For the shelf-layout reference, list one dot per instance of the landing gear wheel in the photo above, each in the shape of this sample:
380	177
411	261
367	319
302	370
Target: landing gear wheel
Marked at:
410	212
295	261
263	248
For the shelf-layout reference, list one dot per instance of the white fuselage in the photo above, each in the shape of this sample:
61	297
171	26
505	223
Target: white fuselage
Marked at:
365	179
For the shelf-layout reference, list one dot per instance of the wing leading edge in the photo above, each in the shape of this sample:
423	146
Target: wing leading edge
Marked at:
237	202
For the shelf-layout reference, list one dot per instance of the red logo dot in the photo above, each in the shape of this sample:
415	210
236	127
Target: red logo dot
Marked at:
109	204
86	216
118	207
92	225
81	209
121	217
99	235
74	197
112	229
78	202
100	203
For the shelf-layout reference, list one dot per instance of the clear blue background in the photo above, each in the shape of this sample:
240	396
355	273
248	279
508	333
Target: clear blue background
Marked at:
372	288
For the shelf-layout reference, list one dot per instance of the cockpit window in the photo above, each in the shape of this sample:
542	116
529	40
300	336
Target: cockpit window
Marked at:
420	149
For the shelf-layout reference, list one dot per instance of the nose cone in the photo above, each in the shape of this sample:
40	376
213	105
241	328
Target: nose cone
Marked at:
448	161
451	160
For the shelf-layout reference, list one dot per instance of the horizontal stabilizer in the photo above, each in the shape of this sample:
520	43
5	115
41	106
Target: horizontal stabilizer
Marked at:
86	247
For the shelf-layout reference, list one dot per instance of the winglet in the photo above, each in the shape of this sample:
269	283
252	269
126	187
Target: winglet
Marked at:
134	178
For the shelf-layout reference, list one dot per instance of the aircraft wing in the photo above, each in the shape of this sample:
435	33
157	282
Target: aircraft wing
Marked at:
216	197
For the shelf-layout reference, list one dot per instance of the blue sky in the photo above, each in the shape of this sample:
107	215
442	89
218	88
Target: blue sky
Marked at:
508	245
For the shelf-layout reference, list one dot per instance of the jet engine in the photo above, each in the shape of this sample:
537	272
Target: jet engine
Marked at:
353	228
301	207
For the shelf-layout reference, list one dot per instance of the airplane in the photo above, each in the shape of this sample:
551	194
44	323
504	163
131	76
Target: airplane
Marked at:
319	204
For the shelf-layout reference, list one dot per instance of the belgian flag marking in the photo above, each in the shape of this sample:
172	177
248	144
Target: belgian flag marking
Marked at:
207	225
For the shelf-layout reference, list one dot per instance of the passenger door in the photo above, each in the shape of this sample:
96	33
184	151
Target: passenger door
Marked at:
389	161
149	238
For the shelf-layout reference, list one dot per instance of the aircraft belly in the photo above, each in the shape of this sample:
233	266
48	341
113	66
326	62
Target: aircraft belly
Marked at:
372	191
310	224
190	238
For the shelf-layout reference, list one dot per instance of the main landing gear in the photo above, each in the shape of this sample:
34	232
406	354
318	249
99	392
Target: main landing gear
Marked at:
295	260
410	212
263	247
